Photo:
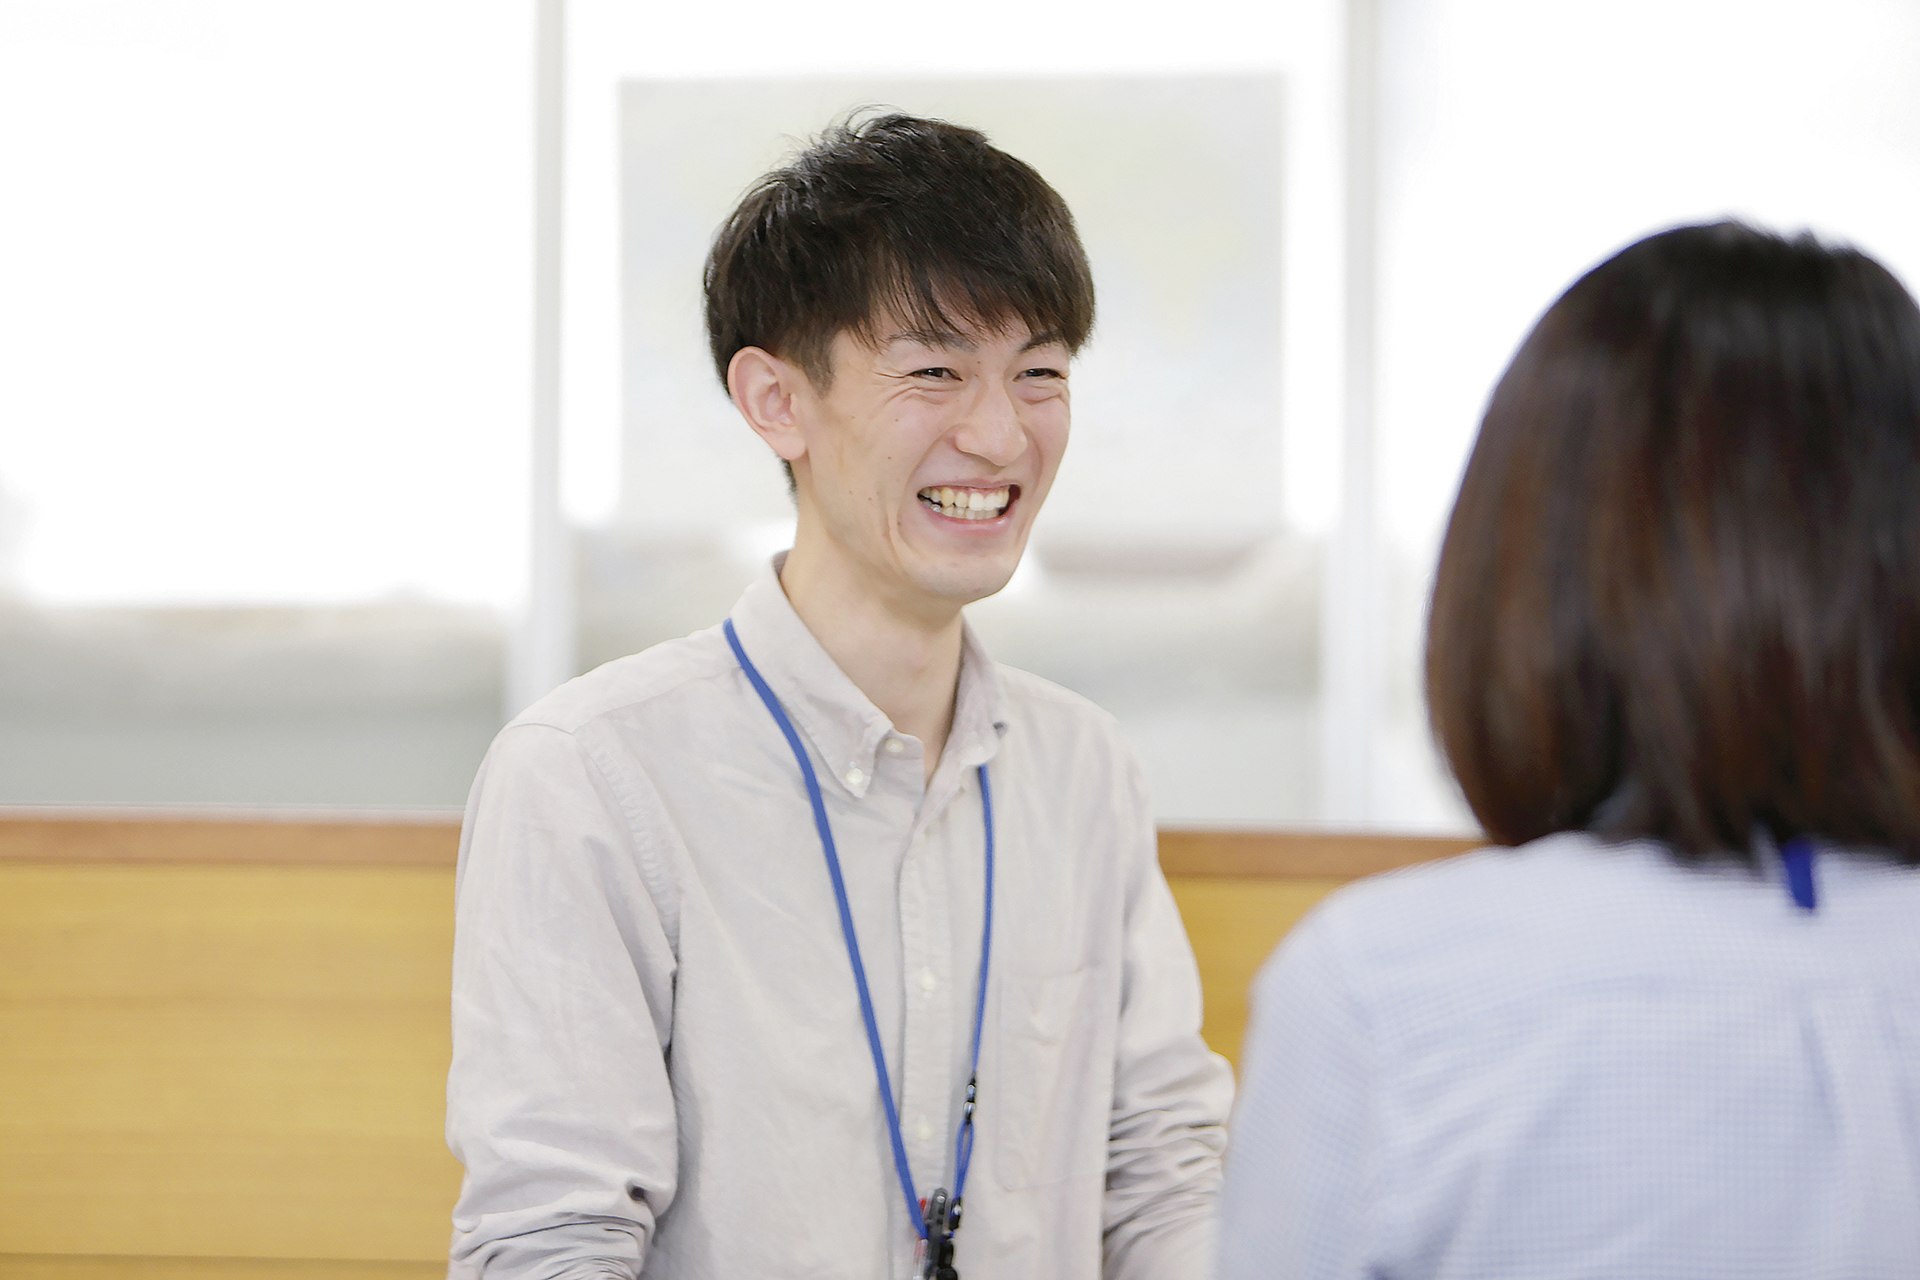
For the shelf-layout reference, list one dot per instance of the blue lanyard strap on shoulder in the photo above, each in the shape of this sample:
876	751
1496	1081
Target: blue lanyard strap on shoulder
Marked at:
963	1147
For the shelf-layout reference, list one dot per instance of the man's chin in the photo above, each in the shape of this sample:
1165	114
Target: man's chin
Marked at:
964	584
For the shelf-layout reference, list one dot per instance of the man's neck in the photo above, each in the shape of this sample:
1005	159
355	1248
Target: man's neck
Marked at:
907	663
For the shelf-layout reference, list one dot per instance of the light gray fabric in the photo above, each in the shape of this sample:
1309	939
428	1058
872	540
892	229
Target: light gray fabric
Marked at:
1571	1060
658	1049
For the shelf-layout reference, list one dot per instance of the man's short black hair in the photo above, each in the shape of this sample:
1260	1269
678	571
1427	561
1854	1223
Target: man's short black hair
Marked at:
899	218
1679	597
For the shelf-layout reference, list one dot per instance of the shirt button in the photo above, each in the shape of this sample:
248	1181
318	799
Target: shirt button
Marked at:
855	777
894	746
923	1131
927	981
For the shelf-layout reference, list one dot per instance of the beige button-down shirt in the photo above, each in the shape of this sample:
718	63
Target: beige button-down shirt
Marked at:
659	1060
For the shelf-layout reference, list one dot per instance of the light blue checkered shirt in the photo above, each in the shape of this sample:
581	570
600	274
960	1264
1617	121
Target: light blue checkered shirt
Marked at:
1572	1060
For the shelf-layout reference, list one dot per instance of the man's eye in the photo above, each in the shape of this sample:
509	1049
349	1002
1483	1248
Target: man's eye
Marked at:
1042	372
935	373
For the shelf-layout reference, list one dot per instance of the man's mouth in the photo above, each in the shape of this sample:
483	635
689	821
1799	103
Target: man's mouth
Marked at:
968	504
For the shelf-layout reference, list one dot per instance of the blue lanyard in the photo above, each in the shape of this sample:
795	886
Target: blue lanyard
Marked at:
947	1219
1796	859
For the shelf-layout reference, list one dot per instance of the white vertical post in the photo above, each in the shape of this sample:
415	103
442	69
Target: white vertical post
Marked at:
543	651
1350	670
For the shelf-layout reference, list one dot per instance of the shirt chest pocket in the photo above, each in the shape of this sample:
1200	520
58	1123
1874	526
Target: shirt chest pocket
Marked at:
1055	1077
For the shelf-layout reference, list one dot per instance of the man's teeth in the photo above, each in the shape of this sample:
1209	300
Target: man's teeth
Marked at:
966	504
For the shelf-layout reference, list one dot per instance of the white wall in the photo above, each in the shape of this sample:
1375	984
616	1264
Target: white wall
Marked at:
264	327
264	335
1523	142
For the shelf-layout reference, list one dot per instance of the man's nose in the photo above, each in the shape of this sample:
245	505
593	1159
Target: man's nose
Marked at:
992	430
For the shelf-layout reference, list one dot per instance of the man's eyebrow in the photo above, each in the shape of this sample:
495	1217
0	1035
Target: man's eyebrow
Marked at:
963	341
934	338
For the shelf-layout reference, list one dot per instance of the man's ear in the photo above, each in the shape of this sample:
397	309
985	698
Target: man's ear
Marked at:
765	389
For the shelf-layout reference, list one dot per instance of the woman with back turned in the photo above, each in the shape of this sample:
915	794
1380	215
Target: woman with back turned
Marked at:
1674	658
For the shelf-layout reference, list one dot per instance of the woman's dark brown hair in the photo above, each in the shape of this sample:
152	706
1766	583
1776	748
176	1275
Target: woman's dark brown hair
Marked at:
1679	596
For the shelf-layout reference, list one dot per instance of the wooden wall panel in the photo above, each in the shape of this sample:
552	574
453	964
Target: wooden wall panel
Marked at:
224	1060
223	1037
1336	855
431	839
43	1266
245	836
1240	891
1234	924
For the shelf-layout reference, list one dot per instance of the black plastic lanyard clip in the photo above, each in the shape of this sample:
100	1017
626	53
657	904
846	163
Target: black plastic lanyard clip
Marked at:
942	1219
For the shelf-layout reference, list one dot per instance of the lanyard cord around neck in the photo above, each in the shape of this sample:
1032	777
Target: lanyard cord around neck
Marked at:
963	1146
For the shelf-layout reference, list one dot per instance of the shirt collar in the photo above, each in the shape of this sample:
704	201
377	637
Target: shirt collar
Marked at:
829	710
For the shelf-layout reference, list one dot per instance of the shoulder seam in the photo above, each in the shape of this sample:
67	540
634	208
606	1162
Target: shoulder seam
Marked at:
570	725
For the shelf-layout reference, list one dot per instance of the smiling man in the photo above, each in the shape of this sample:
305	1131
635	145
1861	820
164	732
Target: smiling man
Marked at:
817	944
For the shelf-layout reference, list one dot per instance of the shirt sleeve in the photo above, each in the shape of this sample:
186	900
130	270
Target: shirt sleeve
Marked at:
1301	1180
558	1101
1171	1093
